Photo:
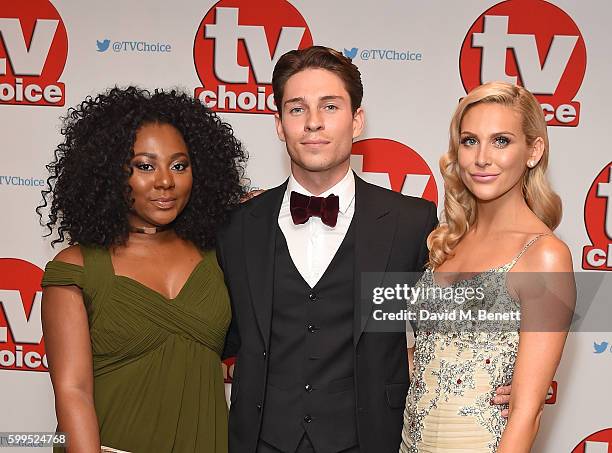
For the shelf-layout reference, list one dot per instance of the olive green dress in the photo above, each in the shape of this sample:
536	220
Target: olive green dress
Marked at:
158	384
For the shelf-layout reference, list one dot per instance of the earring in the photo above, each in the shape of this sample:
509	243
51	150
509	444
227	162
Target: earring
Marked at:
530	164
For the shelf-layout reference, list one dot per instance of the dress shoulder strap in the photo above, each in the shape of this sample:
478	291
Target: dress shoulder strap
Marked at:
99	269
525	248
98	281
94	277
97	260
58	273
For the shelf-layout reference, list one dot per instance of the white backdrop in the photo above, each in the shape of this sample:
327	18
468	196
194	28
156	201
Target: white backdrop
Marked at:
414	71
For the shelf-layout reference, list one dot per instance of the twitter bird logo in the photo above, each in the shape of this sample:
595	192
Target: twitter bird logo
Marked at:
350	53
103	45
601	347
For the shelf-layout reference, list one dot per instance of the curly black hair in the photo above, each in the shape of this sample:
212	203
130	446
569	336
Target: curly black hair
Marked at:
88	178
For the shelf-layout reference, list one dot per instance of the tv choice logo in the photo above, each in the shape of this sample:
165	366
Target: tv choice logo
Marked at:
382	54
532	43
132	46
227	366
21	342
598	442
33	52
395	166
598	222
551	395
18	181
236	47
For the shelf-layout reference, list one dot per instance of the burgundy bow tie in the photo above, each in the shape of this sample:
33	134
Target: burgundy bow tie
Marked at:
303	207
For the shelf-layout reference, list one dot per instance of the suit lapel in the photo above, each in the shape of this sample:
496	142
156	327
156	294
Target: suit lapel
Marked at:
259	248
376	224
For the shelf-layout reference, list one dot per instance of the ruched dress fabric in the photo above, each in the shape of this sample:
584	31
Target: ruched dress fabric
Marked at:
456	371
158	383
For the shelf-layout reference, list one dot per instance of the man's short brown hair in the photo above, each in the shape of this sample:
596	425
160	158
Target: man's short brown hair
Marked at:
317	57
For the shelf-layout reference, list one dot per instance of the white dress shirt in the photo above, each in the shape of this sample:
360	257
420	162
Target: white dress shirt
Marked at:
313	245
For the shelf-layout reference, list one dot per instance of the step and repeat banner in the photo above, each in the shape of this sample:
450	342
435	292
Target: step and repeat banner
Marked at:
417	60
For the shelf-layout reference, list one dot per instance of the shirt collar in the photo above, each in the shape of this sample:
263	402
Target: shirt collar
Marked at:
345	189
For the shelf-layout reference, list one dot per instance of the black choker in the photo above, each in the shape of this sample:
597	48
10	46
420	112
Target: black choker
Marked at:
148	230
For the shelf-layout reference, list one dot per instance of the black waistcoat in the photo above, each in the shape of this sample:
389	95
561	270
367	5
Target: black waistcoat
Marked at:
311	363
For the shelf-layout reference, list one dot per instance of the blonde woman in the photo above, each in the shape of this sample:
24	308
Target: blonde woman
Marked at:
496	235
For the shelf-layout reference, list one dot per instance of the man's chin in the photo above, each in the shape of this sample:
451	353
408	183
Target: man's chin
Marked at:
318	171
318	166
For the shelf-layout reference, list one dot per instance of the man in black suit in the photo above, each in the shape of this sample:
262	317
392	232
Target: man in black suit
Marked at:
307	377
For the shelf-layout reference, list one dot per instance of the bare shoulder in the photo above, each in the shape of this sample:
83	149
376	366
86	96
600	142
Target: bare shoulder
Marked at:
547	254
70	255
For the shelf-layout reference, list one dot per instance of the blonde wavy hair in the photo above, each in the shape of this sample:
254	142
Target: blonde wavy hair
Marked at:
459	203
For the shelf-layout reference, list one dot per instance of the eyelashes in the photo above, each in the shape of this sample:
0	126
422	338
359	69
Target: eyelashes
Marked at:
499	141
468	141
328	107
143	166
147	167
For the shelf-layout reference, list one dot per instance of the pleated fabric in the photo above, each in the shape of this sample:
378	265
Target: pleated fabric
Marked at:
158	384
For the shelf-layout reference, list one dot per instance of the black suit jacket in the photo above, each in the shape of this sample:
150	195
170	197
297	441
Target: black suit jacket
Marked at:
390	236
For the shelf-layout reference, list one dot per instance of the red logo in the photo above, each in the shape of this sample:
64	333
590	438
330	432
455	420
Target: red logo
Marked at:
599	442
598	222
395	166
532	43
21	343
33	52
236	47
551	395
228	369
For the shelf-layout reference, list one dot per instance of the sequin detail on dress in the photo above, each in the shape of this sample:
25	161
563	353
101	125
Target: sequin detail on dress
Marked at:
456	371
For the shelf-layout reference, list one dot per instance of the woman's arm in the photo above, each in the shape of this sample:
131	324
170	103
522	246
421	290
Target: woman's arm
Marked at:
68	348
547	301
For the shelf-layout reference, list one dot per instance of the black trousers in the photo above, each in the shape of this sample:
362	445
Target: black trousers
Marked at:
303	447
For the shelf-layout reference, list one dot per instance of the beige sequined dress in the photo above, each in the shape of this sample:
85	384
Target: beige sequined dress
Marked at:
457	369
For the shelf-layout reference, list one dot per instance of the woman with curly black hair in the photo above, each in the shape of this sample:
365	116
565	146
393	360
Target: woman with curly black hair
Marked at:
135	311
